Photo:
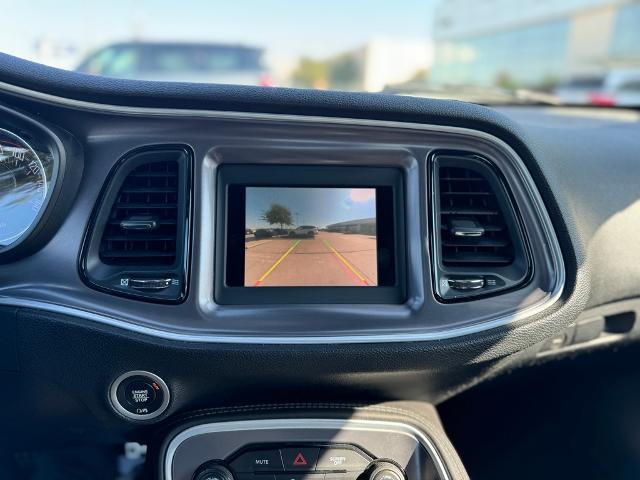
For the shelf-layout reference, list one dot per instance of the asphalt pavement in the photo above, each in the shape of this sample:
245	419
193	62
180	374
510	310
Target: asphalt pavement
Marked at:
328	259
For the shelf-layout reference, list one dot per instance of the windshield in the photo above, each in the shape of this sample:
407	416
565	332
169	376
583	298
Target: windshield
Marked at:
584	52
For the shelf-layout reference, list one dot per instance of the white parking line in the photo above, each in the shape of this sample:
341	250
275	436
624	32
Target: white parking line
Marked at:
257	244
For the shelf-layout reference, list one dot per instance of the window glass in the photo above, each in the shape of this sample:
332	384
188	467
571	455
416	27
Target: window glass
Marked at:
431	48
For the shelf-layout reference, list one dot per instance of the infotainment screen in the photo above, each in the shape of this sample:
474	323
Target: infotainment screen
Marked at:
294	234
310	237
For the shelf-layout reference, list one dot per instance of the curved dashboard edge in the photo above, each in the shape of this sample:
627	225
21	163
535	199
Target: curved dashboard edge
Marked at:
532	311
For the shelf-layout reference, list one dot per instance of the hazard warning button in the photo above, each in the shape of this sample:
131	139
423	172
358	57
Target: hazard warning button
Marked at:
300	459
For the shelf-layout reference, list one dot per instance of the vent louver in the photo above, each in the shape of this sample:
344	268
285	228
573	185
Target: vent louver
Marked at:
477	236
473	227
142	225
137	244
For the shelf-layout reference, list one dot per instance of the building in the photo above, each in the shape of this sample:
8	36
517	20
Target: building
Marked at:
387	62
364	226
533	43
380	63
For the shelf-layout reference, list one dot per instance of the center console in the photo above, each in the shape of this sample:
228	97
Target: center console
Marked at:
364	443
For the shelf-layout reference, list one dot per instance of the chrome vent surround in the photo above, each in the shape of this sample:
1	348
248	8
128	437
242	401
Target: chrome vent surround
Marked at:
478	241
142	225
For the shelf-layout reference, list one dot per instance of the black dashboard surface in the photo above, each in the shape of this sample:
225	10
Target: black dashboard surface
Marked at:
590	159
585	166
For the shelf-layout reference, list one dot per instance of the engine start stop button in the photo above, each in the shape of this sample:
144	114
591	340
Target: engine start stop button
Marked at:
139	395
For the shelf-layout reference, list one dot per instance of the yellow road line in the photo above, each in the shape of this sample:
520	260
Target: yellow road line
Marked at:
344	260
278	262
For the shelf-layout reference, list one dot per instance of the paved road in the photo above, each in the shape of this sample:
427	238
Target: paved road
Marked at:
329	259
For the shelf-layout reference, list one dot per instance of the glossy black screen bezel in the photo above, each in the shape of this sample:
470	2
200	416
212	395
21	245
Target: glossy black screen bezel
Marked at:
231	184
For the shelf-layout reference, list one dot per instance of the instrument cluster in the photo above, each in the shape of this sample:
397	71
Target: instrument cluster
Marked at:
37	164
27	173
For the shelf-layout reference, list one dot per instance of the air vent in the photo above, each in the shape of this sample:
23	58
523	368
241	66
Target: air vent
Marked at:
142	225
138	242
477	237
473	228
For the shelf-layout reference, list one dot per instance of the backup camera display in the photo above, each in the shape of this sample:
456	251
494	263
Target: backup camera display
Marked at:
310	237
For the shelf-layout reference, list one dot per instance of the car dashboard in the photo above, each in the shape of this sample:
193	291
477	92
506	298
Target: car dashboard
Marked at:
137	304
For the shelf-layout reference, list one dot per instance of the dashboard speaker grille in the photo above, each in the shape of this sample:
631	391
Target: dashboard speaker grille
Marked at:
142	225
472	221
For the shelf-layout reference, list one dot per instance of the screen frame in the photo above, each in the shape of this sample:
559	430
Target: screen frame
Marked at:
299	176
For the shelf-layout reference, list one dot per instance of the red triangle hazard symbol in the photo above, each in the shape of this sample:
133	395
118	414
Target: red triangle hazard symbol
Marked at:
300	460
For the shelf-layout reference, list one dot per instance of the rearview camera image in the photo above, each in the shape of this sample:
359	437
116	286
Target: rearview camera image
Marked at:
310	237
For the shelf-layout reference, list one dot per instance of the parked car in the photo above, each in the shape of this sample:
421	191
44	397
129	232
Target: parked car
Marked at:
263	233
180	62
304	231
619	88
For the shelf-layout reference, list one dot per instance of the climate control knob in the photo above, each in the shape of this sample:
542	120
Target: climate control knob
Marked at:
213	471
386	471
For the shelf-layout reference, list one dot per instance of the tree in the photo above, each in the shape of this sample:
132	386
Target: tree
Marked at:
277	214
420	76
503	79
311	73
345	72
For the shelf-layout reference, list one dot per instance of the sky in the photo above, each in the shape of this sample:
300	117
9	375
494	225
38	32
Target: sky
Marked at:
311	206
286	28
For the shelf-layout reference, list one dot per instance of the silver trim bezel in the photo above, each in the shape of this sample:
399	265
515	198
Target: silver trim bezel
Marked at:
443	333
304	424
117	406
